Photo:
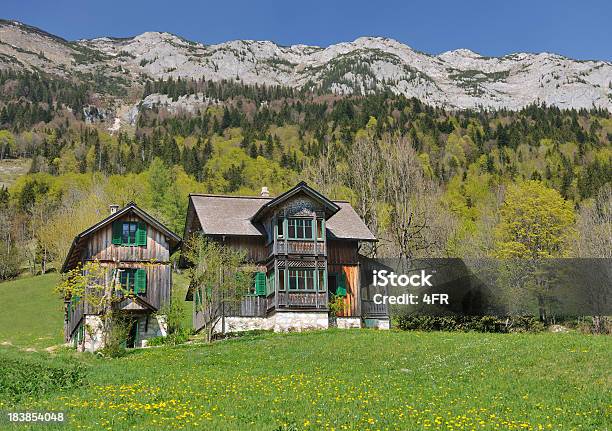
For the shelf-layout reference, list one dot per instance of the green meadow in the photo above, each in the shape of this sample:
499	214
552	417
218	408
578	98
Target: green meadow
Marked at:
328	380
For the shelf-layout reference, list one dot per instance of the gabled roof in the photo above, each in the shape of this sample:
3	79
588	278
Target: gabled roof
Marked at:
220	215
73	256
330	207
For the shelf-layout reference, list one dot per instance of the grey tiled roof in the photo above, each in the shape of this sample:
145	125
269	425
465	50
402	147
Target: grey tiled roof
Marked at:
231	215
346	224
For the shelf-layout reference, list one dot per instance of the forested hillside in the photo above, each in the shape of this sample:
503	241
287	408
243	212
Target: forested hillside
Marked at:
429	182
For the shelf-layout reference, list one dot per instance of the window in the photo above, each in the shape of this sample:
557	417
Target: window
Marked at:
133	280
126	277
320	229
332	282
300	228
280	231
301	279
281	280
270	283
321	285
129	233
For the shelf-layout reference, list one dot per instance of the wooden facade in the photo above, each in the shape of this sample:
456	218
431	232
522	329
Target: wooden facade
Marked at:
304	263
100	245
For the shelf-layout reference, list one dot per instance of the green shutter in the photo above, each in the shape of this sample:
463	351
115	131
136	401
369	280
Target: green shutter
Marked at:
140	281
341	290
141	234
117	232
270	283
260	283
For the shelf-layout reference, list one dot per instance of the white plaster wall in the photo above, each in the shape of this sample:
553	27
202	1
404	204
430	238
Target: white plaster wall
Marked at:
348	322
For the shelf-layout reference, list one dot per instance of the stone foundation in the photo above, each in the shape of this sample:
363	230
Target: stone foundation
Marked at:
287	321
348	322
296	321
299	321
241	324
381	323
93	338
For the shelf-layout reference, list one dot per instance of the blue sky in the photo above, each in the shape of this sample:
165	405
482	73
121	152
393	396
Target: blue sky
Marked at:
577	29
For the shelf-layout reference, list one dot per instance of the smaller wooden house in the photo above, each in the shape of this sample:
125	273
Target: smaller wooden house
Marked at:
135	248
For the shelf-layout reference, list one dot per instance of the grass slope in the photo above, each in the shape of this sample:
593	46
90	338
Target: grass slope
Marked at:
32	315
349	380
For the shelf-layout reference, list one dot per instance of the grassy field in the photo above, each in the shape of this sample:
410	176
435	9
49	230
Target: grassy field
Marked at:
349	380
32	315
333	380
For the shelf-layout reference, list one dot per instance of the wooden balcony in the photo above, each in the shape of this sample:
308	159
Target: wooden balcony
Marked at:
307	247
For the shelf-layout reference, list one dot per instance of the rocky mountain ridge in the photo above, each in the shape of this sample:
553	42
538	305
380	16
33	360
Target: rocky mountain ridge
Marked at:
454	79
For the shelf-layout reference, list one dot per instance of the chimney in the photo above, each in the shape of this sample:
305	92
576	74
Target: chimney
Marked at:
264	192
114	208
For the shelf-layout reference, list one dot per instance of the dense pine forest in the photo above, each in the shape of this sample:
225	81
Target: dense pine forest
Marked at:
428	181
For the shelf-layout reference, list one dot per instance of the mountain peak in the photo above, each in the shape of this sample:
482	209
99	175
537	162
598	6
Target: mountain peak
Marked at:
459	78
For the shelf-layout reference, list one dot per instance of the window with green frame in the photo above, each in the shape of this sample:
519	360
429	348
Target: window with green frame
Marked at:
320	229
302	279
322	285
129	233
300	228
133	280
270	283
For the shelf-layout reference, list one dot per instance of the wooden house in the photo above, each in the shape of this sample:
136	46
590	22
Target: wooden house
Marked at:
306	247
135	248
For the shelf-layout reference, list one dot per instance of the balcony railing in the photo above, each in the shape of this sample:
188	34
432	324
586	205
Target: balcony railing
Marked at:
250	306
309	247
302	300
